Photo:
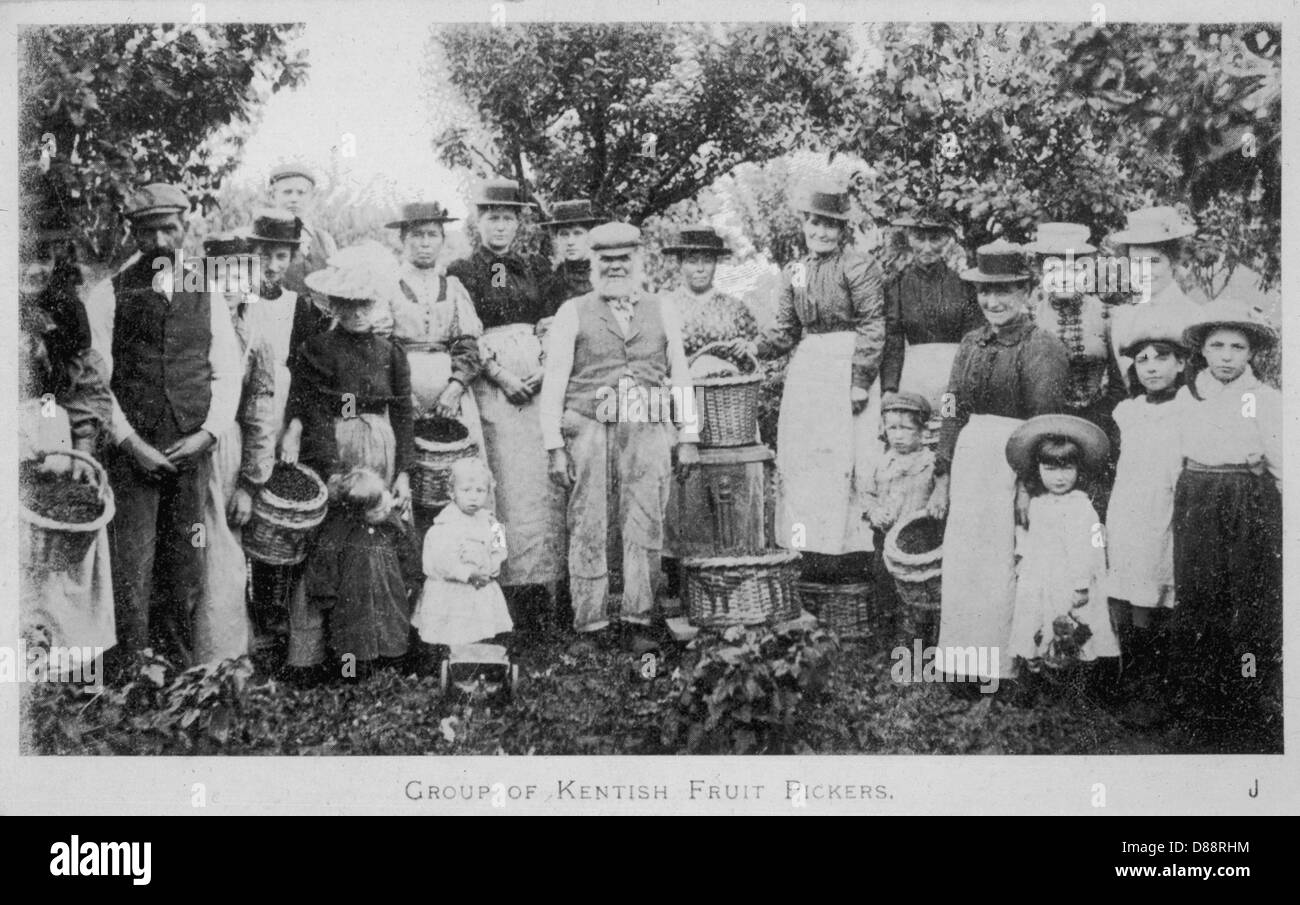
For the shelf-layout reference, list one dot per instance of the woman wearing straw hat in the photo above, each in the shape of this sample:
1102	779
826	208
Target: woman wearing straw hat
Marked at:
1005	372
928	309
349	406
569	224
506	289
831	313
1228	524
434	321
1069	309
1153	237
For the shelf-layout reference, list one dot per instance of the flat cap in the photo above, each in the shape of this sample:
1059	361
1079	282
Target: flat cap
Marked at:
906	401
157	198
614	237
286	170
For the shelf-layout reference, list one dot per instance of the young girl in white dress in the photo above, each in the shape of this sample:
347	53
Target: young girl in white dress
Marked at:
1061	616
463	553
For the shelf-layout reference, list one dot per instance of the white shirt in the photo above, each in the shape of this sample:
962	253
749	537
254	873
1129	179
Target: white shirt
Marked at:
1237	423
560	342
224	357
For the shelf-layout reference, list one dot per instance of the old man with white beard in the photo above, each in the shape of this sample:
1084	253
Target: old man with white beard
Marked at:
613	355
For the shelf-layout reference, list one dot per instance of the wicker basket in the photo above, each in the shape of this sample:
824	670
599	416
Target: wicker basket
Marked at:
915	559
60	545
740	590
279	529
846	609
728	406
431	477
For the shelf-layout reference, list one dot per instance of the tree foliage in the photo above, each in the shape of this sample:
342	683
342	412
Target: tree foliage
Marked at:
124	105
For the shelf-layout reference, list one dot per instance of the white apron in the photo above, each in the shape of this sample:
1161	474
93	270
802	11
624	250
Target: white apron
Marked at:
824	451
926	369
979	571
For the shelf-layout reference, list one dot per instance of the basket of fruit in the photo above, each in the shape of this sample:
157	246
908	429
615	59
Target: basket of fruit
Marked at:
439	442
740	590
727	395
62	515
285	512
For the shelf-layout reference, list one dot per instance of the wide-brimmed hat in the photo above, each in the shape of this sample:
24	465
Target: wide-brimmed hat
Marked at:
826	199
1151	324
906	401
926	216
1061	238
220	245
576	212
1024	441
278	226
998	262
500	193
697	238
156	199
1234	314
1151	226
356	275
286	170
420	212
614	239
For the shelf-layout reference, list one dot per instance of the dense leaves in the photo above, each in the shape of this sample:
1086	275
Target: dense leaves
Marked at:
124	105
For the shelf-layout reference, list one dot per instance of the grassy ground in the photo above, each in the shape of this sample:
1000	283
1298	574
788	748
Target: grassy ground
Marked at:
575	698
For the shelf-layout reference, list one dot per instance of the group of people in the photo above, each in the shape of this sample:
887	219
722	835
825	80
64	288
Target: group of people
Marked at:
1108	469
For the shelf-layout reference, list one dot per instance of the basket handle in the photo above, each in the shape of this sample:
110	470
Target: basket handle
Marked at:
101	475
749	357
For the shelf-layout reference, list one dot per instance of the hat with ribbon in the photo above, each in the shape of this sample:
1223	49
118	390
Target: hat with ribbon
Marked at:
1024	441
1233	314
156	199
614	239
1150	324
697	238
420	212
576	212
220	245
1061	238
1151	226
499	193
998	262
356	275
826	199
288	170
278	226
926	216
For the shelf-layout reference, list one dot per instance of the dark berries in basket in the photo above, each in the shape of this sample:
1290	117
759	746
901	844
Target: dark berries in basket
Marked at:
440	430
288	483
58	497
920	536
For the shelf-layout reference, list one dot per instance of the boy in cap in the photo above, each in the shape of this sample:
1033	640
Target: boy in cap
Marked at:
176	373
293	188
613	342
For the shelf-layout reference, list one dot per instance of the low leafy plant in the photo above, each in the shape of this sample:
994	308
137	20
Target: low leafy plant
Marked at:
742	692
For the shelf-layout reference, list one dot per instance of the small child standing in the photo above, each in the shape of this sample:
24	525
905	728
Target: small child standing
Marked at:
1061	616
1140	517
900	484
362	572
463	553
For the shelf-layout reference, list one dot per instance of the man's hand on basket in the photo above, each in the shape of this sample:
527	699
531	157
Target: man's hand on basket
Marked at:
240	509
448	404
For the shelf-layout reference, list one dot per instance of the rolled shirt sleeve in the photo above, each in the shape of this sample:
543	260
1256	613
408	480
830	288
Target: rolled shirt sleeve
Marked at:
560	341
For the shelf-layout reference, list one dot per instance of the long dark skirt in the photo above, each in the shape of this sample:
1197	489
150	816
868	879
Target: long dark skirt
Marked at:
1228	575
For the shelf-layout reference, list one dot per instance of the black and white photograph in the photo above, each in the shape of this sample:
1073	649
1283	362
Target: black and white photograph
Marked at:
572	386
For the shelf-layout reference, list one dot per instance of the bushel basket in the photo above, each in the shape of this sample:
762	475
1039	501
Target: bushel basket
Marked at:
279	529
728	406
848	609
431	477
740	590
60	545
914	556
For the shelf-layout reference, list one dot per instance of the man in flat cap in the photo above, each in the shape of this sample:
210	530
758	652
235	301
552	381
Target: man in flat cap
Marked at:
176	372
610	356
293	188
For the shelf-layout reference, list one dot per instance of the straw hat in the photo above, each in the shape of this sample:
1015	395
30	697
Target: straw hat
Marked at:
278	226
577	212
826	199
1151	324
998	262
420	212
1060	238
1234	314
1024	441
698	238
927	216
356	275
1151	226
500	193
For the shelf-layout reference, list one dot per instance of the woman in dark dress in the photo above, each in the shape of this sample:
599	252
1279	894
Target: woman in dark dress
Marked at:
1005	373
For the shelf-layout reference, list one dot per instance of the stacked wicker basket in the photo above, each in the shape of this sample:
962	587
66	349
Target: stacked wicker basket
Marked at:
731	575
